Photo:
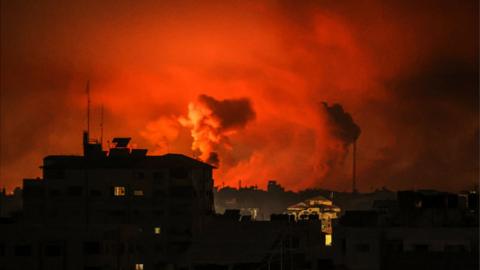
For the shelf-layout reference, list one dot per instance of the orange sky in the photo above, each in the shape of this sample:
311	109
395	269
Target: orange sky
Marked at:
406	73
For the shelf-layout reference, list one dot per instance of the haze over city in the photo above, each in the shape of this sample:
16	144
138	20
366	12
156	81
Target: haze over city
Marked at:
263	90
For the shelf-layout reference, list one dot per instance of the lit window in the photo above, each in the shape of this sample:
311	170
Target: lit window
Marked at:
157	230
119	191
328	239
139	266
138	192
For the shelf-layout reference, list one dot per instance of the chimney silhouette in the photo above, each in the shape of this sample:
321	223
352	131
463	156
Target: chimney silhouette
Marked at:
354	167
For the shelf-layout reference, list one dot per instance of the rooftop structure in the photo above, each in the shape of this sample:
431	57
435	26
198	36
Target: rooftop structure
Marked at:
317	207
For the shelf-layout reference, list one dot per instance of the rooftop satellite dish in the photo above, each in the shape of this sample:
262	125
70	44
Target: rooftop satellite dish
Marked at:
121	142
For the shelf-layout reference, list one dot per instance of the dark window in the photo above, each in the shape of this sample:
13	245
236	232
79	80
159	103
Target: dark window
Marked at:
158	212
23	250
344	245
175	211
54	193
54	173
395	245
455	248
120	248
158	175
53	250
95	193
179	246
159	248
161	266
182	192
301	260
117	213
295	242
325	264
158	193
362	247
91	248
420	247
140	175
53	213
131	248
33	192
75	191
179	173
140	249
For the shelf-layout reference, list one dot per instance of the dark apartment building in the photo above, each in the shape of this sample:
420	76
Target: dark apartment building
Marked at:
120	209
420	230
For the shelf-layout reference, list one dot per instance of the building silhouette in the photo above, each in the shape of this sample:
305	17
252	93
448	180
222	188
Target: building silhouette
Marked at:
123	209
420	230
118	205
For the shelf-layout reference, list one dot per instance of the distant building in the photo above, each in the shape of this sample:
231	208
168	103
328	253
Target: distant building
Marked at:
276	199
259	203
10	204
273	187
317	207
422	230
280	243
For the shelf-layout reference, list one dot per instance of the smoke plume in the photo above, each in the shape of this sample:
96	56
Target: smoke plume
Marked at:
211	121
342	125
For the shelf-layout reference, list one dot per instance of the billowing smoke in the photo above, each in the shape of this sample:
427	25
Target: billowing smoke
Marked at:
342	125
211	121
381	60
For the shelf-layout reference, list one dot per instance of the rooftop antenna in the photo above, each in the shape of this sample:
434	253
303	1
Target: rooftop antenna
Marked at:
88	106
101	125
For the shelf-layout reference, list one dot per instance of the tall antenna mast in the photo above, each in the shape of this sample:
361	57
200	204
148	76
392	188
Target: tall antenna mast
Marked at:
101	125
88	107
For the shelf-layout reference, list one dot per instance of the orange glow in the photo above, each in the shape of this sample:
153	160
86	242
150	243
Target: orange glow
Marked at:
149	64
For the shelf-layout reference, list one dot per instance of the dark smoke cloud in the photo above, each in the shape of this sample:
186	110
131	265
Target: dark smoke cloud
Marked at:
232	113
212	121
435	118
213	159
342	124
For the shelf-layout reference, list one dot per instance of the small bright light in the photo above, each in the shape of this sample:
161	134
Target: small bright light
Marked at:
157	230
119	191
328	239
139	266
